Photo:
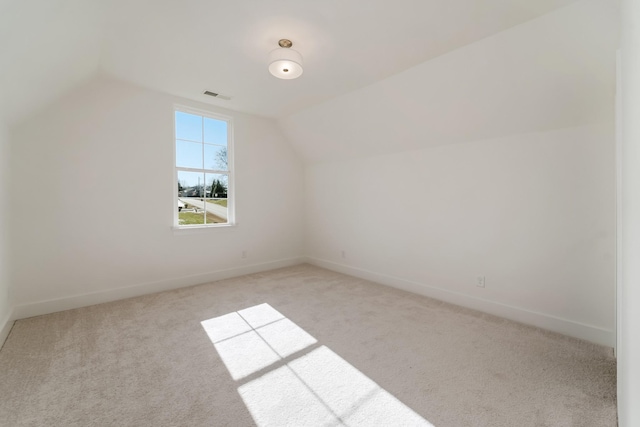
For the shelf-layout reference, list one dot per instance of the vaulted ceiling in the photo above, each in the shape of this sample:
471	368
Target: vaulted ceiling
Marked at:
185	47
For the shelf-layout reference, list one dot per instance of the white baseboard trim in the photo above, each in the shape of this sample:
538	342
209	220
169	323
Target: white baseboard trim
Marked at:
5	327
549	322
39	308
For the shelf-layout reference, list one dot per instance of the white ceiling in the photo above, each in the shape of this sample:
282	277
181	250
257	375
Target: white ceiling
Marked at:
46	48
553	72
184	47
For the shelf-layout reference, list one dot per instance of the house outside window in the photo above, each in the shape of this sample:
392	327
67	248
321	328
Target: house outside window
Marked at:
203	169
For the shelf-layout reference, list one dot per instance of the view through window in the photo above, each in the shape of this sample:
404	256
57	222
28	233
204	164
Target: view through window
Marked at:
203	176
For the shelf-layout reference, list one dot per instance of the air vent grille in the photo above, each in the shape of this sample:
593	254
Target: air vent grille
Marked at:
216	95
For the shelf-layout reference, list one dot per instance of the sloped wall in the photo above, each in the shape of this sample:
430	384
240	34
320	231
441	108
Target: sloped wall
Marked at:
93	196
552	72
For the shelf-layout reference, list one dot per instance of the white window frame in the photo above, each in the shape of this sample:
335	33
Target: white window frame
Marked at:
231	199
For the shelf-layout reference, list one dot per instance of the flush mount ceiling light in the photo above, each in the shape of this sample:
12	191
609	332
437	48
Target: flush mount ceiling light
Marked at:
284	62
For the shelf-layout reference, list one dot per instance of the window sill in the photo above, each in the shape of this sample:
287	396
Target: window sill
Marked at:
203	229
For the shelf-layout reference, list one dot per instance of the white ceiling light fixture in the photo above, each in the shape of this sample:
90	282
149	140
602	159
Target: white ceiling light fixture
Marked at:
284	62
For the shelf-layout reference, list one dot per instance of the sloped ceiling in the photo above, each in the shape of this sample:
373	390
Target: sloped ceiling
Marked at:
185	47
46	48
556	71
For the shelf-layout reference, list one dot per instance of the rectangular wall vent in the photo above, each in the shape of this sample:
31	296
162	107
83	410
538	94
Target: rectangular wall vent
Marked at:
216	95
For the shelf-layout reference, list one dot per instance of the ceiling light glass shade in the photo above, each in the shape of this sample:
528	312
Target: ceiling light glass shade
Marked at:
285	63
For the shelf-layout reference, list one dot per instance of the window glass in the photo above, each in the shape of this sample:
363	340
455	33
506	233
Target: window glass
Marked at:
215	131
188	127
203	175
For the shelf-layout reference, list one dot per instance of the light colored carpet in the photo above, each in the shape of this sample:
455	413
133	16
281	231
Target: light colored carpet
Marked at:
297	346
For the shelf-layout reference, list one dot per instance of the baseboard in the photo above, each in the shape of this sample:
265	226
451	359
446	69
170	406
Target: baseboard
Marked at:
23	311
549	322
5	327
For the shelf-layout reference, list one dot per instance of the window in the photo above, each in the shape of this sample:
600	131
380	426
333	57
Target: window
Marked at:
203	177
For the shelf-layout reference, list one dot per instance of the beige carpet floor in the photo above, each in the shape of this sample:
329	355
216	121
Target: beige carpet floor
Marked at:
299	346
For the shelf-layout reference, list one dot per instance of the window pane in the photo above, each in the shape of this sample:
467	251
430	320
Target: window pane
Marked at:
188	154
190	184
188	126
217	186
190	193
215	131
188	214
215	157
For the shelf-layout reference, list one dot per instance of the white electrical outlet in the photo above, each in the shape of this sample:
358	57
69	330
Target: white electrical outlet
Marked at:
244	254
480	282
343	254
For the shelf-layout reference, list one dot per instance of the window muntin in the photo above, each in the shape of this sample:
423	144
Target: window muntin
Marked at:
203	177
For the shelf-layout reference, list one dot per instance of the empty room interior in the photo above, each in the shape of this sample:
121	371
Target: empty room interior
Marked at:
320	213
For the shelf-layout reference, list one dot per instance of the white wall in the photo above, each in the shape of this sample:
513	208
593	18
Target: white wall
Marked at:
497	159
92	183
5	206
534	213
629	351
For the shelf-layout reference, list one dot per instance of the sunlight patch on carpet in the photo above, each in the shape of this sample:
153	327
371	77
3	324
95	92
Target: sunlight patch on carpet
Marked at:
252	339
315	388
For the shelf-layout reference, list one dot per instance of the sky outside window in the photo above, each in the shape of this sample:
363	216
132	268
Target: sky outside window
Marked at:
201	142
